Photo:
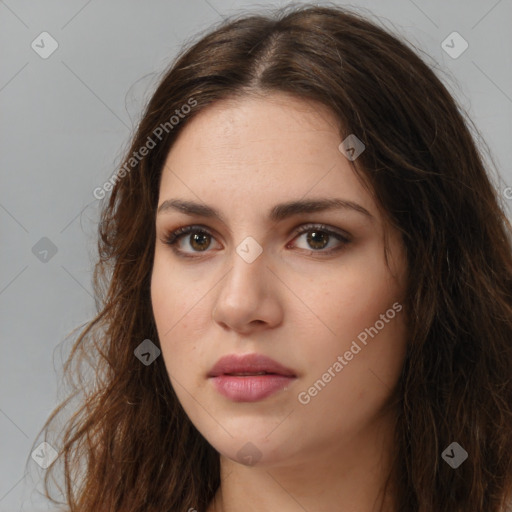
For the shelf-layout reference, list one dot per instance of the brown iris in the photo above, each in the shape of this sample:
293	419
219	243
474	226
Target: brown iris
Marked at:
314	237
200	239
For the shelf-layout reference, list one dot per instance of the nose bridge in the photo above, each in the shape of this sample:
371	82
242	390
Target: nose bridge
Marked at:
249	295
248	266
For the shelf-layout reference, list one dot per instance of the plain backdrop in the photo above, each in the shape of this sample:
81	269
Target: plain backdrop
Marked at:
67	116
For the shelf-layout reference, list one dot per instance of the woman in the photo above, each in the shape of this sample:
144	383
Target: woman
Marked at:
305	288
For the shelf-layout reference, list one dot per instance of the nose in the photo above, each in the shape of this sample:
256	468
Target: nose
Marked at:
250	297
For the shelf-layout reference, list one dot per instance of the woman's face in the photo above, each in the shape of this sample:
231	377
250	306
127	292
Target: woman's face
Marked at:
323	304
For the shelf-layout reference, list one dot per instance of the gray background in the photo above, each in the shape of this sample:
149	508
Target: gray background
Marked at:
65	121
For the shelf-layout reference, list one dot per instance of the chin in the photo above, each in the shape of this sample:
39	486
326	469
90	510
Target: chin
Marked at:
252	442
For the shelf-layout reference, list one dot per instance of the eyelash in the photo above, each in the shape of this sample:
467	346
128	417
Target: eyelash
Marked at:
173	237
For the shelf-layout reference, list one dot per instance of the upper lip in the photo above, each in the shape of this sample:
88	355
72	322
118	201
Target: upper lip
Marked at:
248	363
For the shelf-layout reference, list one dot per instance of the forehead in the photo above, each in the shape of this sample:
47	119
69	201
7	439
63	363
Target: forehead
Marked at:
270	124
261	150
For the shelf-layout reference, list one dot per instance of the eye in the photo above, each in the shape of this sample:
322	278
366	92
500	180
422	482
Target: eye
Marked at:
199	239
318	238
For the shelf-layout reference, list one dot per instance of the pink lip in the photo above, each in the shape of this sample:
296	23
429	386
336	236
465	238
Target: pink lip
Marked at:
249	388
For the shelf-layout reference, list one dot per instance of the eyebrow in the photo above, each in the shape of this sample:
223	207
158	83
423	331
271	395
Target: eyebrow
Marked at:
277	213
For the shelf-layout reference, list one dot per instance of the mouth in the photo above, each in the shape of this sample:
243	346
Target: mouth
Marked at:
250	377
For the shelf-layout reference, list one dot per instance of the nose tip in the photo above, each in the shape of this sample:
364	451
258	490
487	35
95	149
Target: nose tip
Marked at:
246	300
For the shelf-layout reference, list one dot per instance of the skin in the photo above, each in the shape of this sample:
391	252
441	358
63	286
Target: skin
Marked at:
299	307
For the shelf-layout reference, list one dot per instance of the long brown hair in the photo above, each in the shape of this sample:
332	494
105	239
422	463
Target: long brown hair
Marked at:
131	447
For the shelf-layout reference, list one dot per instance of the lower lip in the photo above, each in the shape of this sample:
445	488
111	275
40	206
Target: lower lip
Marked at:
250	388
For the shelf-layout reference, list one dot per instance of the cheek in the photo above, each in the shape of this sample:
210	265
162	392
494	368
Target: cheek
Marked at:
174	312
165	303
170	293
348	308
352	300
